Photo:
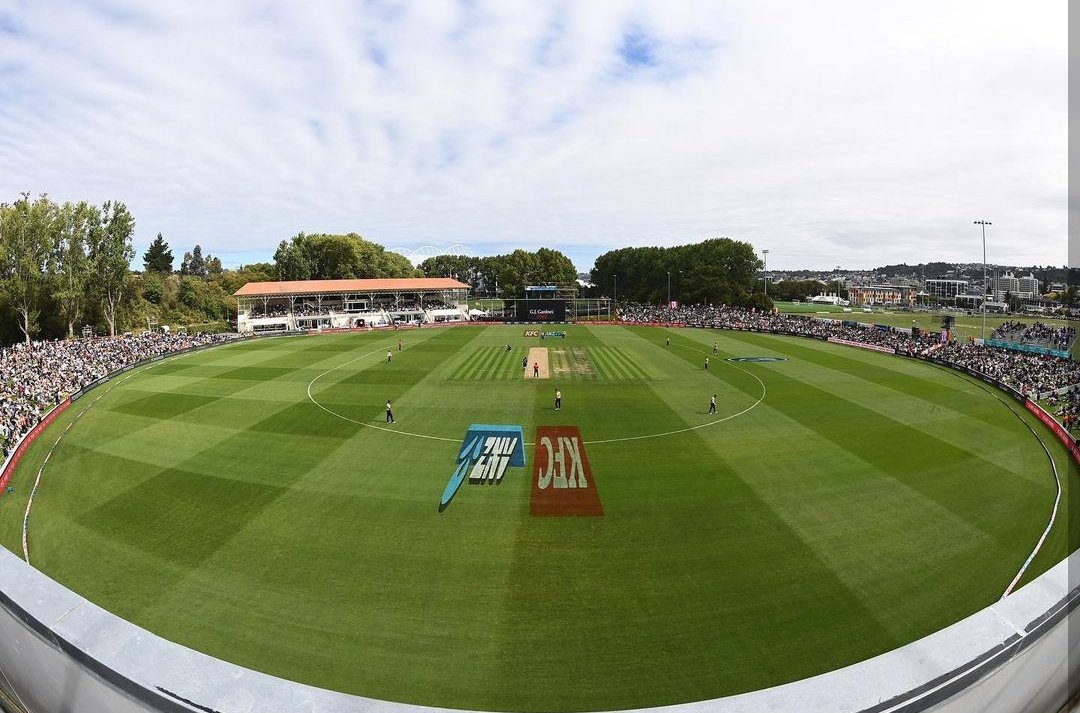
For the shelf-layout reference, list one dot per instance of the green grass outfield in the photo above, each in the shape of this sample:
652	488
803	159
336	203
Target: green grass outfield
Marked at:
843	503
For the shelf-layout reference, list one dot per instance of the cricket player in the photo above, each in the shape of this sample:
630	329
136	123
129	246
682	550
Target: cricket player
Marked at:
712	404
389	356
536	369
389	412
558	400
524	363
706	363
714	348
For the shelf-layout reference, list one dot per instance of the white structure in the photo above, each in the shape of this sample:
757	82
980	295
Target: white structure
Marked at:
829	299
1026	288
946	290
1029	287
346	304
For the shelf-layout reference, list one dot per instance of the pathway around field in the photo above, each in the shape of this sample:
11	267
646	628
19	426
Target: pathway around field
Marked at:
430	437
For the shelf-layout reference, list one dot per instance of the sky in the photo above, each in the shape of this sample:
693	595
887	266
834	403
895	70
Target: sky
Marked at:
838	132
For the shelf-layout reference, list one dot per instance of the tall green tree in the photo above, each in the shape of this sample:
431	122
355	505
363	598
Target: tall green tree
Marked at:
291	259
197	264
69	264
111	253
25	238
158	257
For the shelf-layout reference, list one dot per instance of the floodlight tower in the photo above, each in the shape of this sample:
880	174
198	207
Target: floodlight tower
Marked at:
984	223
766	254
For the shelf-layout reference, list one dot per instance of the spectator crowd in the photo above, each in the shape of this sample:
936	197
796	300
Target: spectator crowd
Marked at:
36	376
1027	373
1066	407
1039	334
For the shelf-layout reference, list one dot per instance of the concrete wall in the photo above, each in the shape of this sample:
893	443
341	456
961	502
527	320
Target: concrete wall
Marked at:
59	652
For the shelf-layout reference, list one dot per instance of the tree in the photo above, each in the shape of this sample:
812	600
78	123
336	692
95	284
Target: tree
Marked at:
291	259
720	270
197	265
320	256
158	257
111	254
25	240
233	280
69	264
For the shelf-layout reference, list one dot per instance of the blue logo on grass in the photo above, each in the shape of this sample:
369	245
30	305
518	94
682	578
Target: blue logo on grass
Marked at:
486	453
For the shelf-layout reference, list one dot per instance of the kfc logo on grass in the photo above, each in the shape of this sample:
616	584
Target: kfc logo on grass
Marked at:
562	481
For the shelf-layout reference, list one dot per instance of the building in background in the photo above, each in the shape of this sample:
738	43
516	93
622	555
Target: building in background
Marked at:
881	295
1026	288
946	291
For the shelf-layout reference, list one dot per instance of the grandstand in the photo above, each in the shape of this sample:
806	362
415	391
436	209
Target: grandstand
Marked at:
346	304
1037	335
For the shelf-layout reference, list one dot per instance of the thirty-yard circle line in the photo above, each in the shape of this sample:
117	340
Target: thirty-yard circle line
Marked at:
361	423
598	442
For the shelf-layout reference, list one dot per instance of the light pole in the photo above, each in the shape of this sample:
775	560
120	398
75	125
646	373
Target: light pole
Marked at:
669	289
766	254
983	224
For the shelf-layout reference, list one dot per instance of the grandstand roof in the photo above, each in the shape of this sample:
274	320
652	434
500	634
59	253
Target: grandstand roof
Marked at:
307	287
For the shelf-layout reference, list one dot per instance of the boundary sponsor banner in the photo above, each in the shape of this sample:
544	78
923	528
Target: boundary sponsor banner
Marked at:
562	483
1027	348
1059	430
871	347
27	440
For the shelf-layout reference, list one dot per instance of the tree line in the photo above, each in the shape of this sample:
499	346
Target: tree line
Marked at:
66	265
503	275
716	271
68	261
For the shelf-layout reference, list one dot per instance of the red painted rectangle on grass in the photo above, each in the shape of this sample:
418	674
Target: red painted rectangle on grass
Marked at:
562	479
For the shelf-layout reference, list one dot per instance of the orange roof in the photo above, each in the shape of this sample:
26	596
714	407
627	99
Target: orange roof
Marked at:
308	287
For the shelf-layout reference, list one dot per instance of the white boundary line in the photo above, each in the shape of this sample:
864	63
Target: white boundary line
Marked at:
116	381
1053	513
606	440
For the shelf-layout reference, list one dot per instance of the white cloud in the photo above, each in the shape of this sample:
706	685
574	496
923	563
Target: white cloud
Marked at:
832	133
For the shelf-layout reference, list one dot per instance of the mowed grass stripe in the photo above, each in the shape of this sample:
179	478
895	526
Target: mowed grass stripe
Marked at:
488	363
931	465
608	366
891	373
621	365
627	366
463	369
934	401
